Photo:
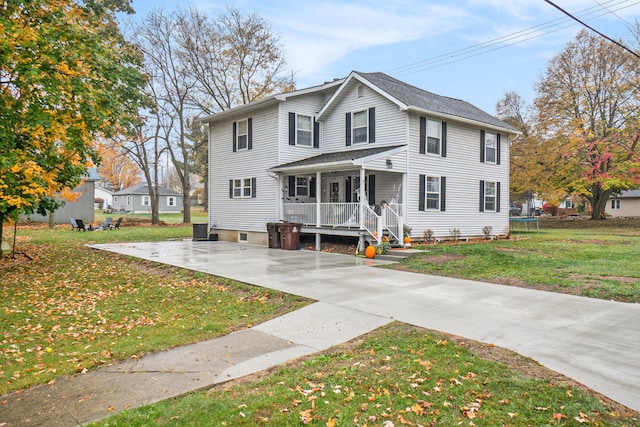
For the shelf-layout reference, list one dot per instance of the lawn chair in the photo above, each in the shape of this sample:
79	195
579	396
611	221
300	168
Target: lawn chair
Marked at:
116	225
108	222
76	224
80	225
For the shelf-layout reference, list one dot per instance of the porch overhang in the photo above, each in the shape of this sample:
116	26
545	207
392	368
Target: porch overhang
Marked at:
344	160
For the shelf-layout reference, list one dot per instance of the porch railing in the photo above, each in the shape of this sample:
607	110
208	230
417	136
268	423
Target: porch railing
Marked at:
348	215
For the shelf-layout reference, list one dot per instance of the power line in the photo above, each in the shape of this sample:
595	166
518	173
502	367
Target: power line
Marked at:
508	40
592	29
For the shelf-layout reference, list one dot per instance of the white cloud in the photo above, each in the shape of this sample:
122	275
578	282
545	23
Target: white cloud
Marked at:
319	35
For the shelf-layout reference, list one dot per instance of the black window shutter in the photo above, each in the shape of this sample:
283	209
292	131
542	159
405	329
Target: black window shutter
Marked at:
498	148
481	146
253	187
348	129
372	124
444	139
481	196
250	136
372	189
312	185
231	188
497	197
292	128
423	135
316	134
347	189
292	186
421	192
235	136
443	193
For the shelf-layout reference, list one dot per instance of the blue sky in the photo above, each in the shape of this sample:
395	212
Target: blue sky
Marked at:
474	50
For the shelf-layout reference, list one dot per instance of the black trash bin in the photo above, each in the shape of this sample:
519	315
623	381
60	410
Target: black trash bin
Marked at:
200	231
290	235
273	230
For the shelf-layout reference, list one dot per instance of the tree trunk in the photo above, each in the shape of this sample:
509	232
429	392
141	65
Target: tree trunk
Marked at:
599	199
2	217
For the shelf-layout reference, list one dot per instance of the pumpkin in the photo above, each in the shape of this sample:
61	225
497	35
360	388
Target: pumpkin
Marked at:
407	239
370	252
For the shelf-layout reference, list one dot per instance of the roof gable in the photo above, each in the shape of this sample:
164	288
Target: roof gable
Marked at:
409	97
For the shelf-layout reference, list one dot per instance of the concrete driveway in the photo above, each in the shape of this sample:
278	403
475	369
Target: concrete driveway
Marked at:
596	342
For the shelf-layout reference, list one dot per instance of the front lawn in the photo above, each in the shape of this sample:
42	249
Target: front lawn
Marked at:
73	308
598	263
398	375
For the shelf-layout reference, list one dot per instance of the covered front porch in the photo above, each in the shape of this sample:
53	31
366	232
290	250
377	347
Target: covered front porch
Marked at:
361	195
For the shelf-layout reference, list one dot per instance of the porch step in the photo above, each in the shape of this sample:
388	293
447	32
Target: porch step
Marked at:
398	255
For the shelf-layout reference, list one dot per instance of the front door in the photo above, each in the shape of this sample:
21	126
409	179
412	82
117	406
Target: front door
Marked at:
335	189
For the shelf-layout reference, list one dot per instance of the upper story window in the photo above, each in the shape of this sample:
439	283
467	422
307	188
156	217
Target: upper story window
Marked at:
433	137
360	127
243	134
304	130
489	147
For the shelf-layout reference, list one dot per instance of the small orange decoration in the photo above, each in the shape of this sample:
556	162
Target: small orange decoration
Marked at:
370	252
407	239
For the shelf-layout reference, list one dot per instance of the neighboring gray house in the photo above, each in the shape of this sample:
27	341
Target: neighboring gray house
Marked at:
360	156
136	199
627	203
82	208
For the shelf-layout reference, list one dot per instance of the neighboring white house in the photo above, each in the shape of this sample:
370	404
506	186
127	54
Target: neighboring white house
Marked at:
104	194
627	203
360	156
136	199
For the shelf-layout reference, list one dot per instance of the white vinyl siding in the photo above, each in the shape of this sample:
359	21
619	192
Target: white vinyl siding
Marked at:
247	214
390	122
463	172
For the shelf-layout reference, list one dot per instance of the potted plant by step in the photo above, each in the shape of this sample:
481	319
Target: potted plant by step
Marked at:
213	236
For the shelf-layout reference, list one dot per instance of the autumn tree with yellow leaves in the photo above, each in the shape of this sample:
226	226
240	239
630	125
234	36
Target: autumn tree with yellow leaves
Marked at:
67	79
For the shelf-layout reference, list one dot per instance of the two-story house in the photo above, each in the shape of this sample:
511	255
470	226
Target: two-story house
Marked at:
363	156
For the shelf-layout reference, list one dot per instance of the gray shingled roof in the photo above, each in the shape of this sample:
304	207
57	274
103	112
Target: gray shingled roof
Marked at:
419	98
336	157
628	194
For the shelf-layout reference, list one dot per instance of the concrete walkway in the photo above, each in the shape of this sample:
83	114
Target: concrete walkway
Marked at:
593	341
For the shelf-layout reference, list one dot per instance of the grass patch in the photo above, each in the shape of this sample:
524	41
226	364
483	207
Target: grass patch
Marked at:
599	263
397	375
72	308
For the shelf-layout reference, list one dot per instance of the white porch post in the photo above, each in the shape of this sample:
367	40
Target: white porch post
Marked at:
318	201
318	198
361	201
280	197
405	208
